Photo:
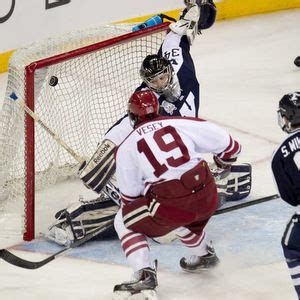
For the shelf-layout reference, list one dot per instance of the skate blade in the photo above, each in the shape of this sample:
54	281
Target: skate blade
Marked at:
143	295
202	270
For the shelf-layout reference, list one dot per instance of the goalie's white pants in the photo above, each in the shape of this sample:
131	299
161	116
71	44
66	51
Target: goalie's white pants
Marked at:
136	246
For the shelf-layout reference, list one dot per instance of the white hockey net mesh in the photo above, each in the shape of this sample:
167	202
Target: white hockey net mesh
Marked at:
91	94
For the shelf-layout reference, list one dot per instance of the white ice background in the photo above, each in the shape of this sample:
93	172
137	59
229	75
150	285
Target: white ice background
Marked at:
244	67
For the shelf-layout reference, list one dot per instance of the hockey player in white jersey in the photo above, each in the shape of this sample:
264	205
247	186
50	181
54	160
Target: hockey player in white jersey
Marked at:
171	75
165	185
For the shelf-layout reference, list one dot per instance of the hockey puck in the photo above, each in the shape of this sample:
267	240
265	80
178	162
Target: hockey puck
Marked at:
297	61
53	81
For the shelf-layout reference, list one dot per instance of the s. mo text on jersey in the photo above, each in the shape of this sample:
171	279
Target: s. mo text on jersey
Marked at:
292	146
149	128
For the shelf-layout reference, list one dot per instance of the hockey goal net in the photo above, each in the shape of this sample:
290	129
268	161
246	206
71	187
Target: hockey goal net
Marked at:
78	84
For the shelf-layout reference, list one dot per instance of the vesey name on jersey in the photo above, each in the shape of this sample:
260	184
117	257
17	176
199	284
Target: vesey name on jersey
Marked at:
149	128
293	145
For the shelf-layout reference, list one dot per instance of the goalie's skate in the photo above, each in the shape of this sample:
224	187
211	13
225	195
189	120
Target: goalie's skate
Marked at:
143	283
200	263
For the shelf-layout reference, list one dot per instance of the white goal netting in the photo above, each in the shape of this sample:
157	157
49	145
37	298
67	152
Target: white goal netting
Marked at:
90	93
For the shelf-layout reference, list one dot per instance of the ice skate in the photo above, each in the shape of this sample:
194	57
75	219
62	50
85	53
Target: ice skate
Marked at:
143	283
199	263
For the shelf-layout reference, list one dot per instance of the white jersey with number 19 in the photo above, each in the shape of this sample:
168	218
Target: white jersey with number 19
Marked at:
164	149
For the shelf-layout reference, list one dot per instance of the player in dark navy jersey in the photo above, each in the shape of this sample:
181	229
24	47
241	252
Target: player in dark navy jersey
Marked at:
286	170
170	74
174	62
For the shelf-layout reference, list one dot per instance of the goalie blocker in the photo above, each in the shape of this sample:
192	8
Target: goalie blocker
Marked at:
99	169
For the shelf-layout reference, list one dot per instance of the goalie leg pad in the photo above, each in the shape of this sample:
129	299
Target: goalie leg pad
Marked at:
80	219
237	185
239	182
233	184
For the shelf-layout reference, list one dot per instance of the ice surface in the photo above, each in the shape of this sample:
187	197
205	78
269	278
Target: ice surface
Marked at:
244	67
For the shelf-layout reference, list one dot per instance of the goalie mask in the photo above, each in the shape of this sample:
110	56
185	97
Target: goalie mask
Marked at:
157	72
289	112
142	106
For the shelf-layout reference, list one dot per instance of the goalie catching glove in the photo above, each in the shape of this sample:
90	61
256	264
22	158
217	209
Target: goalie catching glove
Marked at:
98	170
208	12
198	15
188	23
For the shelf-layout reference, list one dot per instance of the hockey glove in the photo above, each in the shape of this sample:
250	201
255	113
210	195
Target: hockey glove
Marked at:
226	158
188	23
222	163
208	13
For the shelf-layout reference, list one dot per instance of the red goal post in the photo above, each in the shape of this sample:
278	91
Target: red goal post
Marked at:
78	92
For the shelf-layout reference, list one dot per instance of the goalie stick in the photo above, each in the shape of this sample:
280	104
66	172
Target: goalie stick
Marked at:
105	170
36	118
246	204
26	264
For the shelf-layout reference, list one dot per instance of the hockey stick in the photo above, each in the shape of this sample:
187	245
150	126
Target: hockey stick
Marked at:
35	117
26	264
106	171
246	204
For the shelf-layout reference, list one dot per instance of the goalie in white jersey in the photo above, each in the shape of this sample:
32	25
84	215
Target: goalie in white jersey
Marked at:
166	185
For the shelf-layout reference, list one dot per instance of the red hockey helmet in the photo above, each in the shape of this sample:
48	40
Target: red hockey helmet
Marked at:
142	106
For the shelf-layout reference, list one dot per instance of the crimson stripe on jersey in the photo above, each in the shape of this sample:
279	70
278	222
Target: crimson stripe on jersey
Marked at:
236	149
232	150
222	154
